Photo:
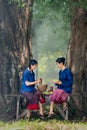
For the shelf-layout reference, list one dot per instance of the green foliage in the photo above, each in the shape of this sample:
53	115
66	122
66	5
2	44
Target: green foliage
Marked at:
19	3
44	7
63	6
80	3
47	68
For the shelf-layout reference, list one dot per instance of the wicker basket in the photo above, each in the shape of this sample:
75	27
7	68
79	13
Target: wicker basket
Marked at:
42	87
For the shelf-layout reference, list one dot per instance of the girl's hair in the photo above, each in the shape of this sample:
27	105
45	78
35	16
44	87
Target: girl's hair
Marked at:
60	60
32	62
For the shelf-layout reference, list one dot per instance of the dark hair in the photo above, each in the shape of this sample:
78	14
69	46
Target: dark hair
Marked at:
32	62
60	60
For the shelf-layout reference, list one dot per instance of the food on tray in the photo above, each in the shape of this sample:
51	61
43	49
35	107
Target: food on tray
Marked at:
50	89
47	93
55	80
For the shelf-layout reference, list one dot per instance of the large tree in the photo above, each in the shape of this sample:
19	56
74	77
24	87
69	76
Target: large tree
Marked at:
77	55
15	50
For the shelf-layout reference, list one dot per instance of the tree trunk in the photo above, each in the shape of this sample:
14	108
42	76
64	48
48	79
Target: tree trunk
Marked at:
77	58
15	52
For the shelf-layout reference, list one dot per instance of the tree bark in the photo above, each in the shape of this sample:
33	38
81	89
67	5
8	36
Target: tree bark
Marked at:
15	52
77	58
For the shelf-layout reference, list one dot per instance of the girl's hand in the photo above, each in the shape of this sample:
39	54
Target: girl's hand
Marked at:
58	82
39	81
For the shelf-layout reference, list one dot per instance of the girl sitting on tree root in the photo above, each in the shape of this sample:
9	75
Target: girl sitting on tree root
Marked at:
29	91
64	86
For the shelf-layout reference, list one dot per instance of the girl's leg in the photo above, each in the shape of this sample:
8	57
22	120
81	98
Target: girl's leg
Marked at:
41	108
28	113
27	117
51	107
64	106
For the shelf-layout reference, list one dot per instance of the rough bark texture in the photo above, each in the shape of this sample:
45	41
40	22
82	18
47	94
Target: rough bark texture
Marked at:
15	25
77	59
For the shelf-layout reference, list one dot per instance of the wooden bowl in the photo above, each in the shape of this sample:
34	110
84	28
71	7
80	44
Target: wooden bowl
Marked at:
42	87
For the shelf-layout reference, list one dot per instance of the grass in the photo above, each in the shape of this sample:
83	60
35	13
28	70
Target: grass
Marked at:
37	124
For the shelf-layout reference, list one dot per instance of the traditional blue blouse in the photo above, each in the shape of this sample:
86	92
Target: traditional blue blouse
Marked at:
66	77
30	77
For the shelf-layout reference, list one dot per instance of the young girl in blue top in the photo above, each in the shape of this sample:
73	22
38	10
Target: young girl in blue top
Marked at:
28	88
64	86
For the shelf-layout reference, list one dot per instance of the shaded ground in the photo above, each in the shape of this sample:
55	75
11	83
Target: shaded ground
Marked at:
35	123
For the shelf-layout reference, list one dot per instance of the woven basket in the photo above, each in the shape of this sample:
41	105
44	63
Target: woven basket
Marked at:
42	87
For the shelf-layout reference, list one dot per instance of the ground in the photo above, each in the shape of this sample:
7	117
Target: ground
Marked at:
37	124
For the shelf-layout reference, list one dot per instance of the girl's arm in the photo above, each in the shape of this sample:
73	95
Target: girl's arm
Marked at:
32	83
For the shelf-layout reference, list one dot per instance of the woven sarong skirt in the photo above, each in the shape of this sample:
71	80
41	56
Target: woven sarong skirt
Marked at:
33	99
59	96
